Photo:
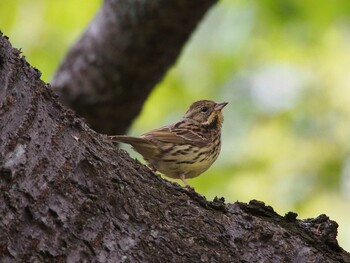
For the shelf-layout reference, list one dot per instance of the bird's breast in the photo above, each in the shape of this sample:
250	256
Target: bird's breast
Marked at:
187	159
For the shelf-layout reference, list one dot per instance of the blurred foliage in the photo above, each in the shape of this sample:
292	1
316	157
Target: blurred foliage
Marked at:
282	65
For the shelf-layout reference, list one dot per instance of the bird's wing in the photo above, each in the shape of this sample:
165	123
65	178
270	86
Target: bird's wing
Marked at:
177	135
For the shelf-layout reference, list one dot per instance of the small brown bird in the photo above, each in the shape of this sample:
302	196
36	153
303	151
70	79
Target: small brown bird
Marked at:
186	148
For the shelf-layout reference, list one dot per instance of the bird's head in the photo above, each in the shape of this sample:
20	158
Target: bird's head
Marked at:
207	113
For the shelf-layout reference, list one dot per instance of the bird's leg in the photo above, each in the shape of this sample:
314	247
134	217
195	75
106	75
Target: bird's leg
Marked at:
183	179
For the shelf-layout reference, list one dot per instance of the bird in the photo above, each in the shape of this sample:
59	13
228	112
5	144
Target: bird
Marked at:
184	149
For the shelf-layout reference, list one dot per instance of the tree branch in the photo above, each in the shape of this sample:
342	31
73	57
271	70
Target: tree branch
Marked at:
68	195
124	53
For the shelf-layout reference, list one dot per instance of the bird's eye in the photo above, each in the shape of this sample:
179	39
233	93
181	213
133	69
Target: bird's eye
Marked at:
204	109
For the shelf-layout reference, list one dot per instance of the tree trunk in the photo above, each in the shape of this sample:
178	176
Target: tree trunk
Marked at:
124	53
68	195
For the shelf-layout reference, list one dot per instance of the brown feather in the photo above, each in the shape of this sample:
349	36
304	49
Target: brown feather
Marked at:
141	145
186	148
176	134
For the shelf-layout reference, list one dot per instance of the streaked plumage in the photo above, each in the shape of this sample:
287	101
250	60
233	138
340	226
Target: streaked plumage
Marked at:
186	148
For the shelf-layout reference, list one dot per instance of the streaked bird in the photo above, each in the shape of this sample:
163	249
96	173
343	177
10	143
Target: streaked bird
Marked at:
186	148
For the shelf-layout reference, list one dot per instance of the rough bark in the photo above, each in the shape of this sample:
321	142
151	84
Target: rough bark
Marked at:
124	53
68	195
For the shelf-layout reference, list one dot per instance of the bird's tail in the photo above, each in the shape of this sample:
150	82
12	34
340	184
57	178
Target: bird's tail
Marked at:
127	139
141	145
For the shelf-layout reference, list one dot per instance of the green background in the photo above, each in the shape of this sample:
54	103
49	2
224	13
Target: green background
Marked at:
283	66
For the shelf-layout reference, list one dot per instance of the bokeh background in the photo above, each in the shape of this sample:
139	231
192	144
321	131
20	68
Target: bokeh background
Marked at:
284	68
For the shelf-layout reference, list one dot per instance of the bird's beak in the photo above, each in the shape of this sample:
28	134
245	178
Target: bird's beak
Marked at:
220	106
